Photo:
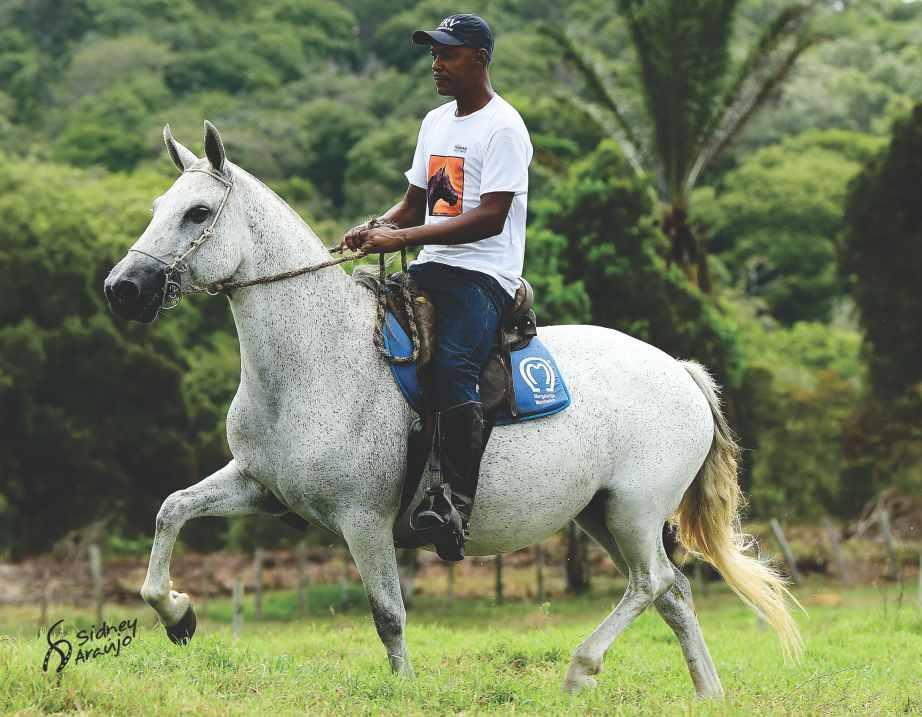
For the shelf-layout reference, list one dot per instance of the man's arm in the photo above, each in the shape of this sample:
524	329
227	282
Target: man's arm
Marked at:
479	223
484	221
408	212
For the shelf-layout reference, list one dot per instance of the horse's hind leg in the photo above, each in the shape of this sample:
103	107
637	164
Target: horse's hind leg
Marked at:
226	492
650	575
675	606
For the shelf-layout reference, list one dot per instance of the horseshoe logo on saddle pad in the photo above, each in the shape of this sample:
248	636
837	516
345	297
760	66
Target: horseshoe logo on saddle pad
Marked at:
532	365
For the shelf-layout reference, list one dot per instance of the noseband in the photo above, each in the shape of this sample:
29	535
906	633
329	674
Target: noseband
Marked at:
172	284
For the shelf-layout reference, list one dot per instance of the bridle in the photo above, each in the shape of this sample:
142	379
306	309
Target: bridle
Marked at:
172	292
172	284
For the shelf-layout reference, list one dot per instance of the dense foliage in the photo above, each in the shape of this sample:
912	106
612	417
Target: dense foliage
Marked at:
322	100
882	255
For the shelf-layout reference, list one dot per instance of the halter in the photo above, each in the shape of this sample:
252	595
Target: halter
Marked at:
172	284
173	292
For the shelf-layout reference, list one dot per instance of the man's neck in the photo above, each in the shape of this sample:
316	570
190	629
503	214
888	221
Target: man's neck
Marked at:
474	100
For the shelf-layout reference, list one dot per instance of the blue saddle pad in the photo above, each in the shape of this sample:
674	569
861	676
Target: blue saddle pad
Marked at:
539	388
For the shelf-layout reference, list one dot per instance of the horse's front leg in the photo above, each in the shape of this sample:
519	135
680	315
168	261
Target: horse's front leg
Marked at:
371	543
226	492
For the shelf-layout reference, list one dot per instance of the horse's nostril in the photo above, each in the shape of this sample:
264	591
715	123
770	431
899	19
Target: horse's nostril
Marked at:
125	290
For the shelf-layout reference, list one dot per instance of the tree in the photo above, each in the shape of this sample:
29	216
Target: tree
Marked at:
882	256
94	418
774	221
696	102
860	78
799	390
610	250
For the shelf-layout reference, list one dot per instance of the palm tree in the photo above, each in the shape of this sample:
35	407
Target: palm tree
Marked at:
696	102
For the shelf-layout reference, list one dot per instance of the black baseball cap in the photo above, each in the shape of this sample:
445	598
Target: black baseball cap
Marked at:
466	30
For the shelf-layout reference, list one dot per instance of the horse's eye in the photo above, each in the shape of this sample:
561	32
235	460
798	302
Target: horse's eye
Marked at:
198	214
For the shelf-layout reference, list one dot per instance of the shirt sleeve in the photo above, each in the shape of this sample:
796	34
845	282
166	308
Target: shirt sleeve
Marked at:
505	163
416	175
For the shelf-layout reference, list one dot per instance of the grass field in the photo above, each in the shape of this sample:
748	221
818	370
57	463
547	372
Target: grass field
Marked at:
864	657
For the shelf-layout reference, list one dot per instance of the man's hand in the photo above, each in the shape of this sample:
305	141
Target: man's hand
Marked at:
353	238
374	239
381	239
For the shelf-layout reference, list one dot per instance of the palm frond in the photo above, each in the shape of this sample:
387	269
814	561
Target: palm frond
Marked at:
738	116
592	75
604	122
789	20
682	53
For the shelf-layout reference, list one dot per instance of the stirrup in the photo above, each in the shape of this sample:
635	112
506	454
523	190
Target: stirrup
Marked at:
441	524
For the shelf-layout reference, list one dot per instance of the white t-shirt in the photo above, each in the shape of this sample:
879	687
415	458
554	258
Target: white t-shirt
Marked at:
457	160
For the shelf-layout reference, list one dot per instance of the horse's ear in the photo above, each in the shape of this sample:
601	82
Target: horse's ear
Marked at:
214	147
181	156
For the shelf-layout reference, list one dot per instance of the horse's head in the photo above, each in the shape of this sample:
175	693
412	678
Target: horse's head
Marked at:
192	239
445	188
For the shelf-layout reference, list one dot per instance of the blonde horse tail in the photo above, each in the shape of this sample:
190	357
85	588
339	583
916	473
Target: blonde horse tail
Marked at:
708	521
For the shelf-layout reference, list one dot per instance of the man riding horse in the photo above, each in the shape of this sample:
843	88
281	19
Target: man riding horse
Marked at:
465	205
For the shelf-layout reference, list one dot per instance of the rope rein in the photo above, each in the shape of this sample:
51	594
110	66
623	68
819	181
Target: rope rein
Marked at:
378	336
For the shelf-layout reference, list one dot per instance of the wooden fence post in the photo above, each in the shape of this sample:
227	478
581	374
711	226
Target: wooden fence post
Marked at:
893	568
344	579
919	596
539	570
258	584
577	561
301	562
96	573
206	584
786	549
498	563
237	619
832	535
44	598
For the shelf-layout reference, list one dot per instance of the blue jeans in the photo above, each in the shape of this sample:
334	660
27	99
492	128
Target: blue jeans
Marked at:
469	306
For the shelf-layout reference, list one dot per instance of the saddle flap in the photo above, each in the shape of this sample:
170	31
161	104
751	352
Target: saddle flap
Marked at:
496	389
423	308
423	313
519	324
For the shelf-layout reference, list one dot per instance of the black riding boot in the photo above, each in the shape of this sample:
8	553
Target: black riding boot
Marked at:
442	518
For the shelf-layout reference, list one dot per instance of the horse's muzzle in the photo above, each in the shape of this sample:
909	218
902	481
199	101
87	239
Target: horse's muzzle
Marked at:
134	288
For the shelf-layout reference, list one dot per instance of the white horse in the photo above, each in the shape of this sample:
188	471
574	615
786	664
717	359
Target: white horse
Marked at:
318	428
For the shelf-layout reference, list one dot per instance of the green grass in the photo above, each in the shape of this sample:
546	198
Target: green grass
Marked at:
864	657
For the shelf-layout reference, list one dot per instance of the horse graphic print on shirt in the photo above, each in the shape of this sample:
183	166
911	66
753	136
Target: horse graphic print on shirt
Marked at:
445	188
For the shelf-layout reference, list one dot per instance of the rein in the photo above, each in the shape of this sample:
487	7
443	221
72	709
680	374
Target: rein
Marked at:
173	291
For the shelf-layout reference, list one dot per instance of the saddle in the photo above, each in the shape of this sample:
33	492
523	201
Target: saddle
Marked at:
518	326
516	345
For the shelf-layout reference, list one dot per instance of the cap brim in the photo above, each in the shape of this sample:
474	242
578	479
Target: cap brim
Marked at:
438	37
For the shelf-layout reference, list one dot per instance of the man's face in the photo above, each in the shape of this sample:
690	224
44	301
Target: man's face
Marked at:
456	68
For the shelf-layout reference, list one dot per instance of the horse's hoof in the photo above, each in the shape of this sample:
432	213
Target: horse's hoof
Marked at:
182	631
572	685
